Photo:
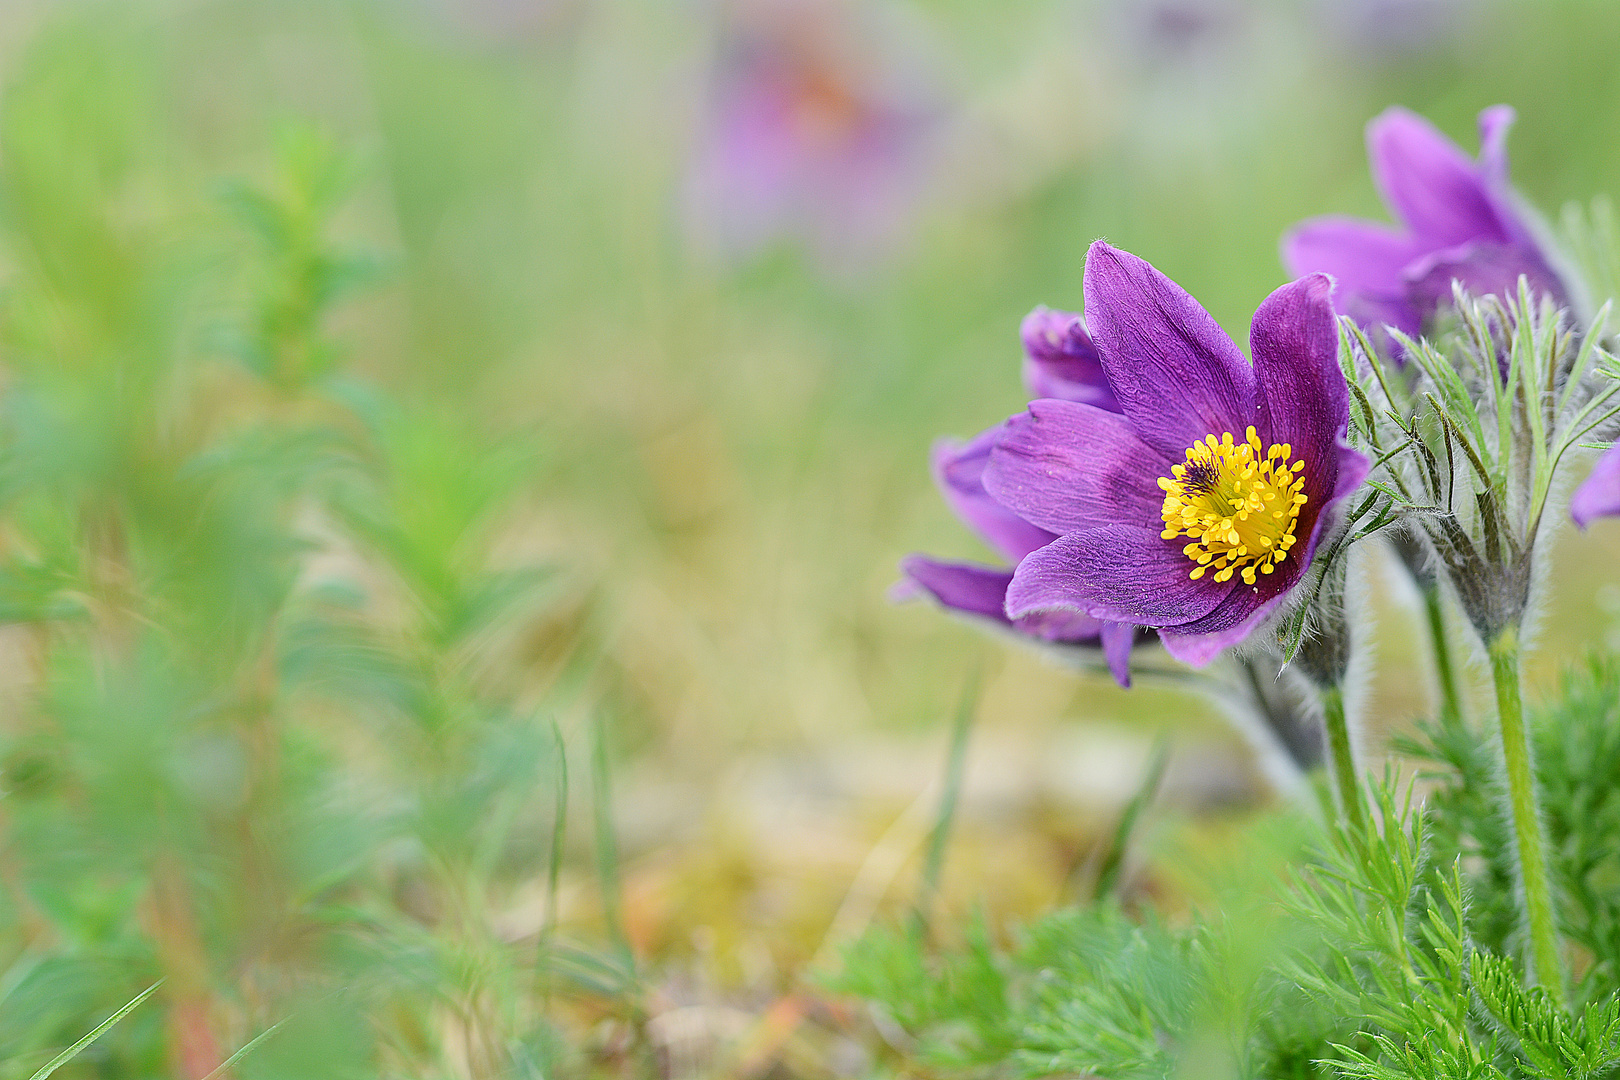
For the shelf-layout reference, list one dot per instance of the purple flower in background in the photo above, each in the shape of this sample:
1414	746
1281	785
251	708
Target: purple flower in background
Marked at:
1460	218
1383	30
815	130
1060	361
1599	494
1198	506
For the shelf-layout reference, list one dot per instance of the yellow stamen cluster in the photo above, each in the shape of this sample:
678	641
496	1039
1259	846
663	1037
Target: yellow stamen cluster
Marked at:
1238	504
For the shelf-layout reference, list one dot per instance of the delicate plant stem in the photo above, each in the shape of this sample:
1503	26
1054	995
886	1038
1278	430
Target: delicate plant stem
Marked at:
1345	776
1450	700
1526	811
607	842
559	836
955	768
1111	868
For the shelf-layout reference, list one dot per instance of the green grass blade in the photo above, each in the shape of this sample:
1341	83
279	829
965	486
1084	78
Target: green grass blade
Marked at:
246	1049
73	1051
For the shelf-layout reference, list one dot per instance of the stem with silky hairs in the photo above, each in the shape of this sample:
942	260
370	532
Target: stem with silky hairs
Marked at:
1324	657
1547	964
1352	802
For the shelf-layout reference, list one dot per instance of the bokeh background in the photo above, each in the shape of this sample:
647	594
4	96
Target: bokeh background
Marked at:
457	454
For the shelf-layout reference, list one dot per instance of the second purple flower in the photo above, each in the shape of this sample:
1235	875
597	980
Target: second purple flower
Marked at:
1461	220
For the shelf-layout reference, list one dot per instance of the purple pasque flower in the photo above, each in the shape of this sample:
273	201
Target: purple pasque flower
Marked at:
1599	494
817	129
1460	220
1197	507
1060	361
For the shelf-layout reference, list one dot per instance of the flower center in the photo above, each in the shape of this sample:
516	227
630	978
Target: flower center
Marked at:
1237	504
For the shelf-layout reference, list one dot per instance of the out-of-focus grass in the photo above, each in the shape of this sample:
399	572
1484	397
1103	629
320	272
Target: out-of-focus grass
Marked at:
718	463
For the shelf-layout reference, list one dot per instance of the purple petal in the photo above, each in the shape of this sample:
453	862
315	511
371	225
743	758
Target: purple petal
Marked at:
959	472
1066	467
1060	360
1369	261
1353	467
1121	573
1361	254
981	592
1199	649
1304	401
1238	609
1173	370
1322	515
1483	269
1599	494
1117	639
965	587
1350	469
1062	627
1494	124
1429	182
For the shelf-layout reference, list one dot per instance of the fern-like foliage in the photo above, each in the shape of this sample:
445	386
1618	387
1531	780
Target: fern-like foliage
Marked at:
1389	953
1577	747
952	1009
1110	996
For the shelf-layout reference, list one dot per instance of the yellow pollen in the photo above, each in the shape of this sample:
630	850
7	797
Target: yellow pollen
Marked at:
1237	502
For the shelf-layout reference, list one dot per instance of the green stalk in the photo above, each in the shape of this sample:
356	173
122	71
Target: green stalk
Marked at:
1351	800
1547	968
1450	701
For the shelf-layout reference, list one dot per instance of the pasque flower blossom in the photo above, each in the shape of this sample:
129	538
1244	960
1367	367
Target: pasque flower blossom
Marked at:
1196	507
1060	361
1460	221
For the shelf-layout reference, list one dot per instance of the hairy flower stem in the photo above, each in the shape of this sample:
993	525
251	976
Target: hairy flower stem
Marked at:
1450	701
1351	800
1547	967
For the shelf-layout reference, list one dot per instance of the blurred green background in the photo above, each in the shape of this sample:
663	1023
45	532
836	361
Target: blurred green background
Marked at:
445	567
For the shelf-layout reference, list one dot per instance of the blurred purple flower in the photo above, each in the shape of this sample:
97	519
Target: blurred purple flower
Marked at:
1392	29
1061	362
1461	222
1197	507
1599	494
1179	32
810	134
